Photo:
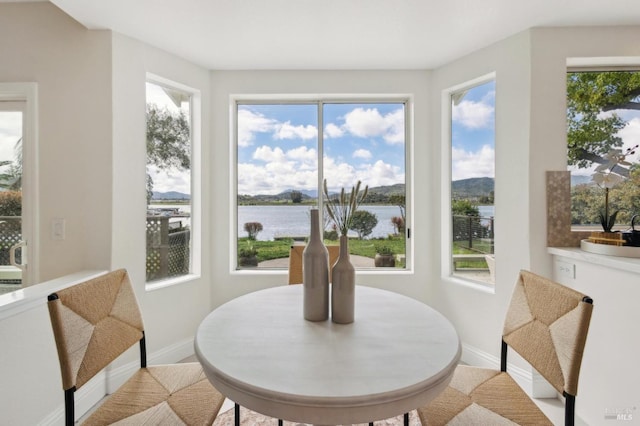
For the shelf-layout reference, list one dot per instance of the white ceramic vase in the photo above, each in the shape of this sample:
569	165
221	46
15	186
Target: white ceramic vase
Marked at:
343	286
315	274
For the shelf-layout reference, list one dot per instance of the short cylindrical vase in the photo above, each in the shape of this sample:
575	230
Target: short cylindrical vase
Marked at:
343	286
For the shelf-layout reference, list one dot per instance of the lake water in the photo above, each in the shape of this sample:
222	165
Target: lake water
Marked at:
288	221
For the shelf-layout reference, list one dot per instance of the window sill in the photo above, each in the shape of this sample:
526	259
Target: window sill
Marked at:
471	284
170	282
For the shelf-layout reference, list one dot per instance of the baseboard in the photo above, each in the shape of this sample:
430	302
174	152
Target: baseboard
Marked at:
477	357
110	379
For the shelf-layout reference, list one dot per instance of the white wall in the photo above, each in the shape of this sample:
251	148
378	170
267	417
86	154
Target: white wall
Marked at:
72	68
478	314
92	155
171	314
228	284
531	139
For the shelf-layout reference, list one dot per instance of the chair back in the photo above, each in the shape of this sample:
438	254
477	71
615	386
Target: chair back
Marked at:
93	323
547	325
295	261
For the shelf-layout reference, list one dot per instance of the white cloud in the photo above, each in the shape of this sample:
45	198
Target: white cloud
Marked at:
380	173
250	123
467	164
395	130
287	131
333	131
366	123
630	134
269	155
170	180
473	115
308	157
362	153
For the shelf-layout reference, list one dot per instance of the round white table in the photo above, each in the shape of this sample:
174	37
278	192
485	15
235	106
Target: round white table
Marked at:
260	352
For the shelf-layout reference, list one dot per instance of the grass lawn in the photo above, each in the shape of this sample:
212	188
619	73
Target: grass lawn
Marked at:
268	250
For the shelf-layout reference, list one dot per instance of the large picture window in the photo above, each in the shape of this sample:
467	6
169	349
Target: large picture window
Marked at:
285	150
169	189
472	112
603	133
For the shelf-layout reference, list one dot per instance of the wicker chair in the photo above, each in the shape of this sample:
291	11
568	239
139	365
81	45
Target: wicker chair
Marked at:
94	322
295	262
547	325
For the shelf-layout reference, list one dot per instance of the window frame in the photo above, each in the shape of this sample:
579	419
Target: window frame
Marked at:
195	240
577	232
274	99
446	266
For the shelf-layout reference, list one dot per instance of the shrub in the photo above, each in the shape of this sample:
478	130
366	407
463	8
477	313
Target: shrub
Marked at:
10	203
363	223
253	228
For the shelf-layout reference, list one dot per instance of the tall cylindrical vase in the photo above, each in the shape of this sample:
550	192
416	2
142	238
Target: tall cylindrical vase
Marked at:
343	286
315	274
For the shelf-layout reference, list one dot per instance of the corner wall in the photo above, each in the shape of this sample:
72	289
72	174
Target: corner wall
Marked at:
477	314
171	314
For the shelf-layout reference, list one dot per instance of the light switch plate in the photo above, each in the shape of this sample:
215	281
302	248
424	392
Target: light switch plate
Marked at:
565	269
58	229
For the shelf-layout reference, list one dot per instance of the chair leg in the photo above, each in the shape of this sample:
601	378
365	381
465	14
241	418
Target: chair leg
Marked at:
569	409
236	412
370	423
279	422
69	407
406	419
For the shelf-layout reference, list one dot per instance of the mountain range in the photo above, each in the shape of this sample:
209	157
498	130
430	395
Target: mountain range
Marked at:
465	188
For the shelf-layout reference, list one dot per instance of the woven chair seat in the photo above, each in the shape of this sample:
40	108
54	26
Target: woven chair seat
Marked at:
94	322
547	324
177	394
481	396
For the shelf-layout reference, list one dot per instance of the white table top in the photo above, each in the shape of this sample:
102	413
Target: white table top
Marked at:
260	352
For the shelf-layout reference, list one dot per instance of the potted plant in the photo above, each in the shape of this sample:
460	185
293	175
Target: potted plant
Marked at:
384	257
247	256
608	175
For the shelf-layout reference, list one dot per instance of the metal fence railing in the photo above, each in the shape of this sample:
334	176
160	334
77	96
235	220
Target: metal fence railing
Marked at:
474	233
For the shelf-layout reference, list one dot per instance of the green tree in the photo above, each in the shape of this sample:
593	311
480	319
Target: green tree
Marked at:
363	223
168	141
464	208
593	99
11	175
296	197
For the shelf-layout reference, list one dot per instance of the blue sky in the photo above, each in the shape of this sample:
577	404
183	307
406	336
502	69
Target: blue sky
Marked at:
473	132
278	146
